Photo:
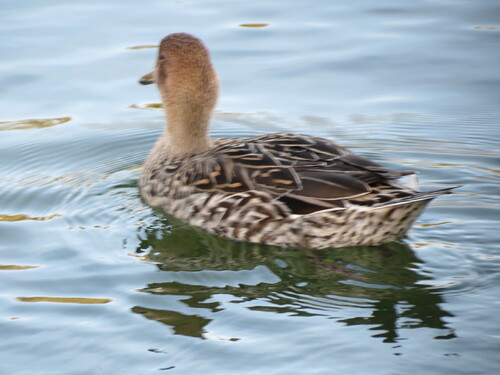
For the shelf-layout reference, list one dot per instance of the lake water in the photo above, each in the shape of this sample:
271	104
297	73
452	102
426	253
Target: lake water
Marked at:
95	282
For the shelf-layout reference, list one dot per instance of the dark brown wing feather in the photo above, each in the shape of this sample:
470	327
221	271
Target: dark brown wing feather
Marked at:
306	173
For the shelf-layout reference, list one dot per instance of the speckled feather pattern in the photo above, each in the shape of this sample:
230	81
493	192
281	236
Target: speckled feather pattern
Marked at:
208	191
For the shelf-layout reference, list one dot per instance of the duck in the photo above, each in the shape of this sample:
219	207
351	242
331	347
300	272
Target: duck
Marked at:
282	189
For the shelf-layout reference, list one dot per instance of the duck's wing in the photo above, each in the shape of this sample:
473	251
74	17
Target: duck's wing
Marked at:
306	173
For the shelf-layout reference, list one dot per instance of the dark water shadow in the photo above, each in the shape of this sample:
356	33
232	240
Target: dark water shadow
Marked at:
381	283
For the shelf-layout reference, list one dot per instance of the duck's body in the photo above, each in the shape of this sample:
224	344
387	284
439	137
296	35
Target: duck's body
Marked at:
280	189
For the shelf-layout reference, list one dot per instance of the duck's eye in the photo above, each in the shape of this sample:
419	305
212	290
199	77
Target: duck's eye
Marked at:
161	57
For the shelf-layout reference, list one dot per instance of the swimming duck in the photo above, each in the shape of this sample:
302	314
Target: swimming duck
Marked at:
282	189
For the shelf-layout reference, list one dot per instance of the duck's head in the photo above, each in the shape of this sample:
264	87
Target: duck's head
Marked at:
189	87
183	71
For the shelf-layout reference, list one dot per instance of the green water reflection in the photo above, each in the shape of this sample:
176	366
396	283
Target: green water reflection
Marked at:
382	282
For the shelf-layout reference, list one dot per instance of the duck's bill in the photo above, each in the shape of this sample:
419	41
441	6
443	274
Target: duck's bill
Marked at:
147	79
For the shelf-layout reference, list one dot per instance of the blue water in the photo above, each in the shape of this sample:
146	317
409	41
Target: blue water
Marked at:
95	282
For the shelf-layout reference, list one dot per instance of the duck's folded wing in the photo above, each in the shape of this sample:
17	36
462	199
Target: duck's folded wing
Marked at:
306	173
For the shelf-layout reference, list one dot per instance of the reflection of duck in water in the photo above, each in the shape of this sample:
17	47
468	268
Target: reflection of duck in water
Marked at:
280	189
374	286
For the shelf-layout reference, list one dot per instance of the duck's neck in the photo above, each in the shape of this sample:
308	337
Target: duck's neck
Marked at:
187	127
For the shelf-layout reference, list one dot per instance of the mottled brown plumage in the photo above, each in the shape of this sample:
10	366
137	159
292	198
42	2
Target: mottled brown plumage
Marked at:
283	189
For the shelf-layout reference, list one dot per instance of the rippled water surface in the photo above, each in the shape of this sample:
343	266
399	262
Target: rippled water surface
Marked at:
95	282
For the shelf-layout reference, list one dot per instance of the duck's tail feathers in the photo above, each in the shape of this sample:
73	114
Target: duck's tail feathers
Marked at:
422	196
